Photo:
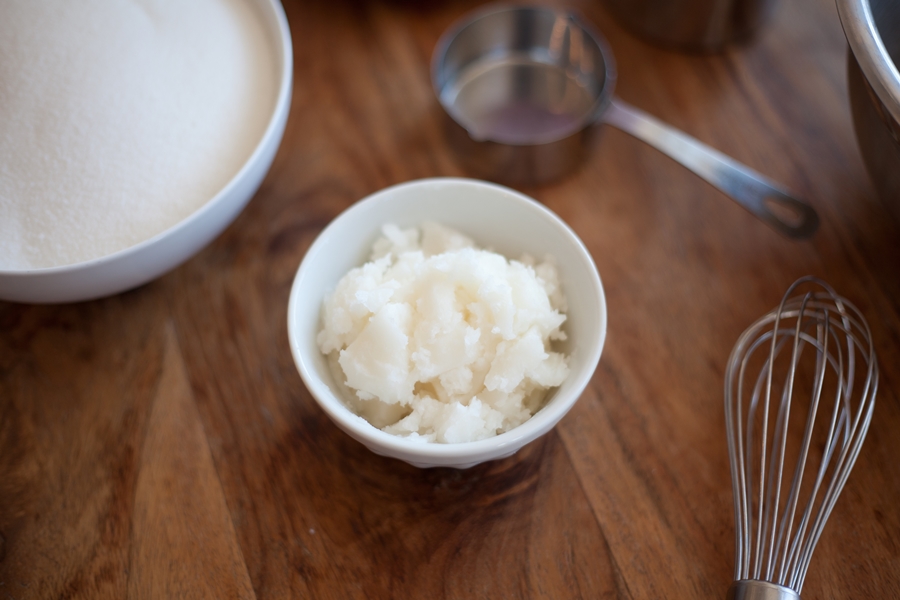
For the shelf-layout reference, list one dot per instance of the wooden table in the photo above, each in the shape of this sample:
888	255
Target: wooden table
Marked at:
160	443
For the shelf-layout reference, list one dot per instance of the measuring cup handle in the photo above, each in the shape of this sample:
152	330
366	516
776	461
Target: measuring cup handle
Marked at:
762	197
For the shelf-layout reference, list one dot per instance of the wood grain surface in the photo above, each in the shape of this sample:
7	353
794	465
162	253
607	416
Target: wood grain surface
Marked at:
160	443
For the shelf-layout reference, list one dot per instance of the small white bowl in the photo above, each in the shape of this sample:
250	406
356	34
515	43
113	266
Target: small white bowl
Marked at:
497	218
151	258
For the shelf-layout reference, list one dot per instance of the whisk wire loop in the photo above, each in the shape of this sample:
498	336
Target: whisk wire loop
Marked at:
778	521
821	344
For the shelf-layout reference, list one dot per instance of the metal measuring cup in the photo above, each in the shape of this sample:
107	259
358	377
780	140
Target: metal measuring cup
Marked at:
524	85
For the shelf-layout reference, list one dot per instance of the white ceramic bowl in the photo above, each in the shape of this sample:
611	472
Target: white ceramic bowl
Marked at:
496	218
151	258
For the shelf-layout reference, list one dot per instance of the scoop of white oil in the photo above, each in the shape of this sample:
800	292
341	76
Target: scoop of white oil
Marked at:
519	100
435	340
120	119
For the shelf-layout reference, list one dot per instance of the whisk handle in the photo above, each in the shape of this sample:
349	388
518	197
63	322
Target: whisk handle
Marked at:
753	589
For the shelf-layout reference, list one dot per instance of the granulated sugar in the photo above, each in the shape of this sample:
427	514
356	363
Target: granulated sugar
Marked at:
120	118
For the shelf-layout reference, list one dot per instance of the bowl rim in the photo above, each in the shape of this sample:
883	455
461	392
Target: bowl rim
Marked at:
283	47
870	52
463	452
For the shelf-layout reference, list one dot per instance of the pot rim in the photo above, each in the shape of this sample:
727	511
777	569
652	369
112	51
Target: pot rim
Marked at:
870	52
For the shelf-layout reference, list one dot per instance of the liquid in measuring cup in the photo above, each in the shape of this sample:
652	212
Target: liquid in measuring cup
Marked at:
519	100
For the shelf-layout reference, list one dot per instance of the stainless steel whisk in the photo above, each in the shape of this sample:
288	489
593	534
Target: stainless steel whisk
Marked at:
814	353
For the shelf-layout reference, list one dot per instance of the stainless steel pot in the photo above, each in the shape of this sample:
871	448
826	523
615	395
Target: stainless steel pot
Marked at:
873	33
705	25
